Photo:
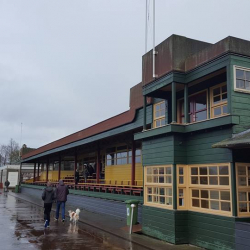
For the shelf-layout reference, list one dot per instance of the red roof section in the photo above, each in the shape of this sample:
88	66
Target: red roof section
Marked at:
136	101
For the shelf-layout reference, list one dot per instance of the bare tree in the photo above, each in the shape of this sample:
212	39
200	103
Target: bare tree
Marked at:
9	154
4	154
14	151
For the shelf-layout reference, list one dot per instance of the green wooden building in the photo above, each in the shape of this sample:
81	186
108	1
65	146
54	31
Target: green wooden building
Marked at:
185	140
196	184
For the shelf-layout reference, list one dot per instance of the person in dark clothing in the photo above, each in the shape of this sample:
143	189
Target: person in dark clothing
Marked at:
48	197
6	184
85	173
90	169
77	177
61	196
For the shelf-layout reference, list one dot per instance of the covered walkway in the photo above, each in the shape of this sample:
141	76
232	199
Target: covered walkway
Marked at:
102	158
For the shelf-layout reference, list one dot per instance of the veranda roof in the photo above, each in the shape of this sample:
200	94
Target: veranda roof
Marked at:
240	140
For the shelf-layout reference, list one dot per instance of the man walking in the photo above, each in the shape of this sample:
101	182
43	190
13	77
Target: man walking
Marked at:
48	196
6	184
61	197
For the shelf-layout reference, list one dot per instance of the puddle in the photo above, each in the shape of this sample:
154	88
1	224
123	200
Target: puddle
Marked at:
21	227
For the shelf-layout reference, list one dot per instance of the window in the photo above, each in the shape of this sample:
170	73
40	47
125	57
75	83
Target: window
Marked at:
197	108
243	188
122	155
111	156
137	156
210	175
181	178
159	114
158	186
218	100
242	79
210	188
211	199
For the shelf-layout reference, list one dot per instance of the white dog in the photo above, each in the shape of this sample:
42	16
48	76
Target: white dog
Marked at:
74	216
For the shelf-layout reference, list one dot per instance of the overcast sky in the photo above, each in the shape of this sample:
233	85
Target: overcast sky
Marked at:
66	65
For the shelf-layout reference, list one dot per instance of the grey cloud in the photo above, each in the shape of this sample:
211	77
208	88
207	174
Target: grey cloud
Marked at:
66	65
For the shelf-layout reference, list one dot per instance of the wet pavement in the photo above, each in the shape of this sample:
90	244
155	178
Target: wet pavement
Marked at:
22	227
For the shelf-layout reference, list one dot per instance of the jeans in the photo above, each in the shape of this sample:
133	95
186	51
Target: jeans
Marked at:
47	210
58	205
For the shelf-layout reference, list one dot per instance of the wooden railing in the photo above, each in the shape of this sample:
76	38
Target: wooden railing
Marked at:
97	187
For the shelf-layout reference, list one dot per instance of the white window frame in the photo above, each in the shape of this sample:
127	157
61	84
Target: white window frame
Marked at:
235	88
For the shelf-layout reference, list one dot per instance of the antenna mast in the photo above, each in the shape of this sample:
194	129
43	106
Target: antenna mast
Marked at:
154	52
21	134
146	27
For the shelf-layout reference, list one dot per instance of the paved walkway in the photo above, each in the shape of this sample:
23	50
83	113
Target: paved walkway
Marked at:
94	231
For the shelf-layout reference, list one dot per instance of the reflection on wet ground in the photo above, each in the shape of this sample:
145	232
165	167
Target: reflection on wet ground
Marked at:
21	227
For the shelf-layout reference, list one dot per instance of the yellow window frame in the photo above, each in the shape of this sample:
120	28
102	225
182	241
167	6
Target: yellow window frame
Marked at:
221	104
158	186
219	188
159	118
245	188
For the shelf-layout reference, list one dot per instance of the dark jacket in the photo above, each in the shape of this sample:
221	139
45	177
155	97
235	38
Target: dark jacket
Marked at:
61	191
77	176
48	195
7	183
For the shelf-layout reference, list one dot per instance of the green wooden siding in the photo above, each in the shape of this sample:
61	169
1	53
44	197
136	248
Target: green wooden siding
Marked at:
240	102
168	225
157	150
159	223
199	147
211	231
180	152
190	148
179	227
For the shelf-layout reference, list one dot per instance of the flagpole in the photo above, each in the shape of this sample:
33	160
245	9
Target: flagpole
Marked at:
154	52
146	27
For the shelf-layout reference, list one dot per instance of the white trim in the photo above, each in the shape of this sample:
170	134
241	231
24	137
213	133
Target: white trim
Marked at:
234	74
